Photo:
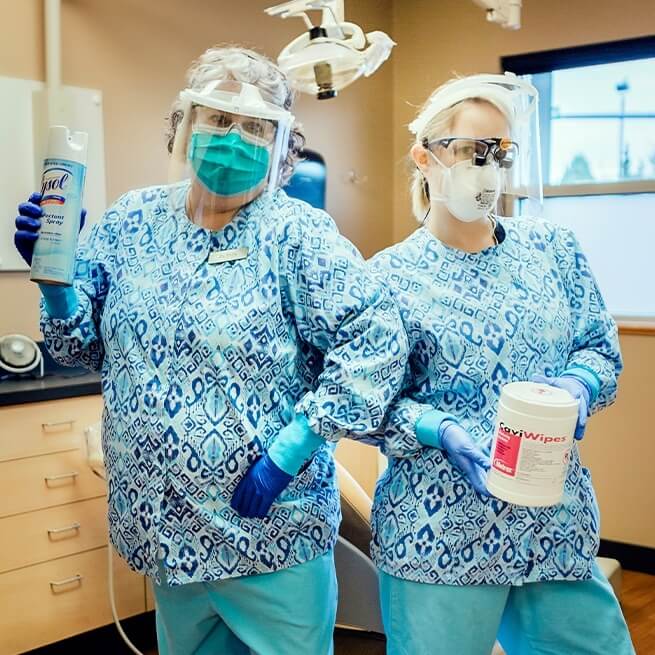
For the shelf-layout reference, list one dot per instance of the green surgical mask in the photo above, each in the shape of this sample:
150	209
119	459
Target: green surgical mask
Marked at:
226	164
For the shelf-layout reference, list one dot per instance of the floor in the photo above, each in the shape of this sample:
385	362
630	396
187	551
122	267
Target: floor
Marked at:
638	601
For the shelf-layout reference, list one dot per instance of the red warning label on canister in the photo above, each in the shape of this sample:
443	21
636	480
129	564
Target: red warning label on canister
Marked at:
506	454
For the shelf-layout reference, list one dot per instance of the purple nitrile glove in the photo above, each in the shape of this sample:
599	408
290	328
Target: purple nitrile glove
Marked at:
578	390
465	454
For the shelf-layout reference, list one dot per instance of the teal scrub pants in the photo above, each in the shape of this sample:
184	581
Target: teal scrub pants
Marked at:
289	612
540	618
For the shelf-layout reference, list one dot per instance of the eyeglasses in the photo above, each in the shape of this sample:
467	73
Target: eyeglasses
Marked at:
503	150
257	130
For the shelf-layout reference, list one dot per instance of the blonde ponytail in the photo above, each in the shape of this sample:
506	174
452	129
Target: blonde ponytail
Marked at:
420	195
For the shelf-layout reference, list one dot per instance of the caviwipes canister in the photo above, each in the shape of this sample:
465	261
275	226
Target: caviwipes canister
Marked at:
62	185
532	444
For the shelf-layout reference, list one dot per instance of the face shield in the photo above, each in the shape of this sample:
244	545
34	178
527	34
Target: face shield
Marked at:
517	156
230	143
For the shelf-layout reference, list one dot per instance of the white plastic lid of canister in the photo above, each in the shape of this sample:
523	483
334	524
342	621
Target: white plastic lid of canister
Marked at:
538	399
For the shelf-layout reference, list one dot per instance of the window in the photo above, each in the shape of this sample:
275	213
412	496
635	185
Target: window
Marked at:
602	123
597	121
617	233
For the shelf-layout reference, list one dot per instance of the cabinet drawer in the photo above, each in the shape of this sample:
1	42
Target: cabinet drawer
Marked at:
50	533
48	602
40	482
48	427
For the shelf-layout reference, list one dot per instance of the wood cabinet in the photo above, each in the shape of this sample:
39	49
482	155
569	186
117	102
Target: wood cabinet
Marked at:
53	529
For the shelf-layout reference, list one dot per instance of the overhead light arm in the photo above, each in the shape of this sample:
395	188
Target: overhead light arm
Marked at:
331	55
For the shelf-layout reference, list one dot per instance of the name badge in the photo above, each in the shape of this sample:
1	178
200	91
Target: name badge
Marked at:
222	256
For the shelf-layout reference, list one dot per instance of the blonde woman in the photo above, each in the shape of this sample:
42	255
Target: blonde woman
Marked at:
487	301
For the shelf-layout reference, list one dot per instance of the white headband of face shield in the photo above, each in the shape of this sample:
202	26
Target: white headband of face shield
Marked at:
516	98
244	99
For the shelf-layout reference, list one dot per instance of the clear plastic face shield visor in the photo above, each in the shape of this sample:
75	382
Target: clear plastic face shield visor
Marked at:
516	155
230	143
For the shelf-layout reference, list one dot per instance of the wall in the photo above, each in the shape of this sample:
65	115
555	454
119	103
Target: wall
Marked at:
22	24
137	53
437	39
619	448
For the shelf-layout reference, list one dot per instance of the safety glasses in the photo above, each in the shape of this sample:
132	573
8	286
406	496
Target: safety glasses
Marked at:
502	150
258	131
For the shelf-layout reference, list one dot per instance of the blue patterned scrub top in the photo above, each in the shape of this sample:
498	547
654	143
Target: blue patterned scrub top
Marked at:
476	322
202	365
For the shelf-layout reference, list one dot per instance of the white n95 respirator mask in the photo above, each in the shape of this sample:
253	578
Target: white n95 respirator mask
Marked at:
470	192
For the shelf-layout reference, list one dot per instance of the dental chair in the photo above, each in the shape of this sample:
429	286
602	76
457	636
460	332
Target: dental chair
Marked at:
359	605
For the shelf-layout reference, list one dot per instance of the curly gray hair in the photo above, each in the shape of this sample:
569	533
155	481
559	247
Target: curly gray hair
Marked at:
227	62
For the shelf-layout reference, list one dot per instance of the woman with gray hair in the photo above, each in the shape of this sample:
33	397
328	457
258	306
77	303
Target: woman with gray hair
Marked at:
239	336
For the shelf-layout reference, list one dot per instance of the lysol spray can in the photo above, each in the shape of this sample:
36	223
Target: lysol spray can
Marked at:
62	185
532	445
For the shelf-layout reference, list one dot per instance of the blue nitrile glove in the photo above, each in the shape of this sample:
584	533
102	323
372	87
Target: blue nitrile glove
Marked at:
262	484
28	224
581	389
60	302
270	474
440	430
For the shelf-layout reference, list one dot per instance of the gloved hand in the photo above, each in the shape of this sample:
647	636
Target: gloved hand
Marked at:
463	452
269	475
60	302
578	390
262	484
28	224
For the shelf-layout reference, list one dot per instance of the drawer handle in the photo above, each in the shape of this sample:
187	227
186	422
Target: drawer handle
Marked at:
67	528
55	584
56	427
63	476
